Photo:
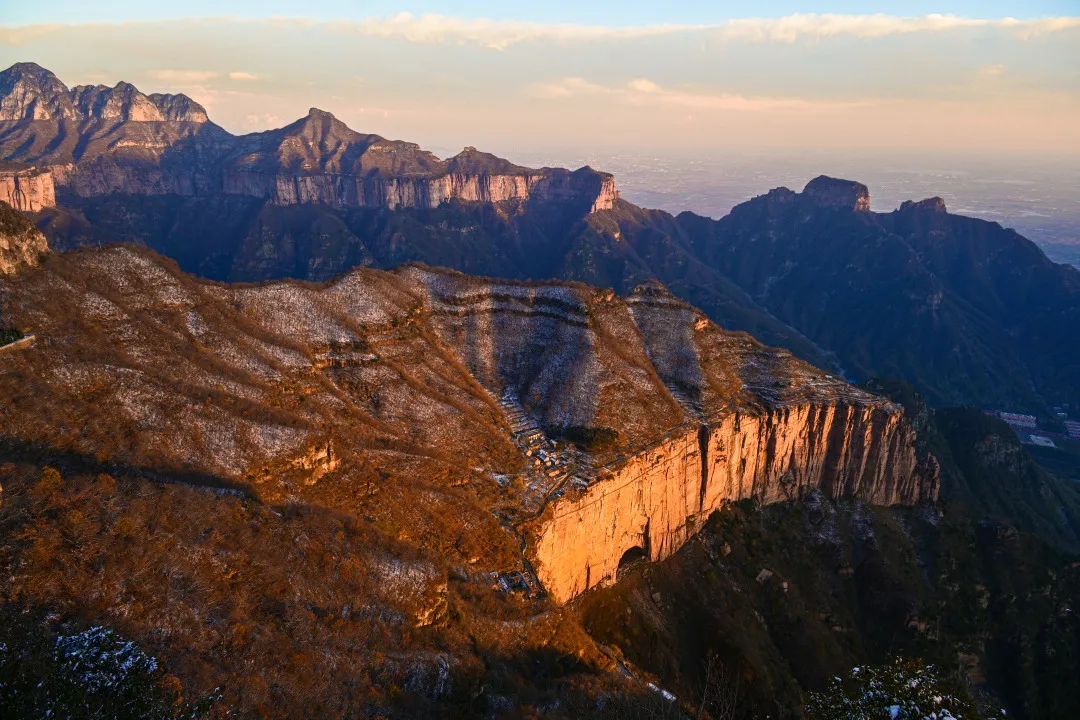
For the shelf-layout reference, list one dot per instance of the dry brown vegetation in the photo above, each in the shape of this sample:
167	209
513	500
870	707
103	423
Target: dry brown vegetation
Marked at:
298	492
294	611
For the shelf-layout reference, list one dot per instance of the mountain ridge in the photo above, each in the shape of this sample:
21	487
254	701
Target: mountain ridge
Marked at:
965	309
98	140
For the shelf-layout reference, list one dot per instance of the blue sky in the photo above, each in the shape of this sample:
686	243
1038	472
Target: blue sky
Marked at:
594	12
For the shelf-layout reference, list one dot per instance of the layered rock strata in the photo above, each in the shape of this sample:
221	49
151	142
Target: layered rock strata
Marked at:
342	190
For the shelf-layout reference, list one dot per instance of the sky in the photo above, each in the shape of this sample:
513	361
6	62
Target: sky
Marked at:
978	77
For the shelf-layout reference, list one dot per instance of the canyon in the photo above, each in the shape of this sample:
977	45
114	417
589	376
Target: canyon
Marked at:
294	460
315	198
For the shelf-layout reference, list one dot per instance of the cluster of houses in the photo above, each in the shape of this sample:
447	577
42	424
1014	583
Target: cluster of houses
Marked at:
1027	427
518	582
553	464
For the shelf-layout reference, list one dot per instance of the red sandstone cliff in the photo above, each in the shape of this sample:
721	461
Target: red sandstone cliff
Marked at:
450	390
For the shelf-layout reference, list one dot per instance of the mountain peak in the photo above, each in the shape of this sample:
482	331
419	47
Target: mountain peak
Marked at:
30	92
471	160
179	108
836	193
30	69
933	204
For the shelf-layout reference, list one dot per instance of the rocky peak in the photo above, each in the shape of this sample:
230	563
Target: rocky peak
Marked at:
651	288
473	161
179	108
933	205
21	244
123	103
837	193
322	128
30	92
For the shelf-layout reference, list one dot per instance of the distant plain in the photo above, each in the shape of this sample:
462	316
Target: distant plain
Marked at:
1039	197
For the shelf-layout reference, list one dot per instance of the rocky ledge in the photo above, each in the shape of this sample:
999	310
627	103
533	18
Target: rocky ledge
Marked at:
21	245
25	188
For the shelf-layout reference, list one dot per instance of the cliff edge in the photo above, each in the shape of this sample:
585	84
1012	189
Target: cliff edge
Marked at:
21	244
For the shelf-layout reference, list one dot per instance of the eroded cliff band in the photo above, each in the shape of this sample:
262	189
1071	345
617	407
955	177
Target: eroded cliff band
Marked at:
653	502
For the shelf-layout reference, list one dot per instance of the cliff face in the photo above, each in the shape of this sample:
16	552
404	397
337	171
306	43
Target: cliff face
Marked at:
337	190
650	504
27	189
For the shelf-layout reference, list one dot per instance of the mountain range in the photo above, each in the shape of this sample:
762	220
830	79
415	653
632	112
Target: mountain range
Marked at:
968	311
266	450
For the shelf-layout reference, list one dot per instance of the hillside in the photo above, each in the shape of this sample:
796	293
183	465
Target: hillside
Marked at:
336	474
983	585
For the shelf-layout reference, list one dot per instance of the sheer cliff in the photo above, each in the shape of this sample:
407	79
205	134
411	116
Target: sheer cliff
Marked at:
26	189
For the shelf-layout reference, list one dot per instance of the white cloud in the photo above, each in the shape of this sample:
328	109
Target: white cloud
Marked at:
495	34
501	34
992	70
263	121
642	91
431	28
183	77
242	76
791	28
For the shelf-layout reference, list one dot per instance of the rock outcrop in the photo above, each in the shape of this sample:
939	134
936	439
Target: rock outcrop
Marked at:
931	205
836	193
26	188
21	244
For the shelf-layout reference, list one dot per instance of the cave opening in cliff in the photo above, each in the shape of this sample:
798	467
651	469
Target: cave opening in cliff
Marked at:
630	559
